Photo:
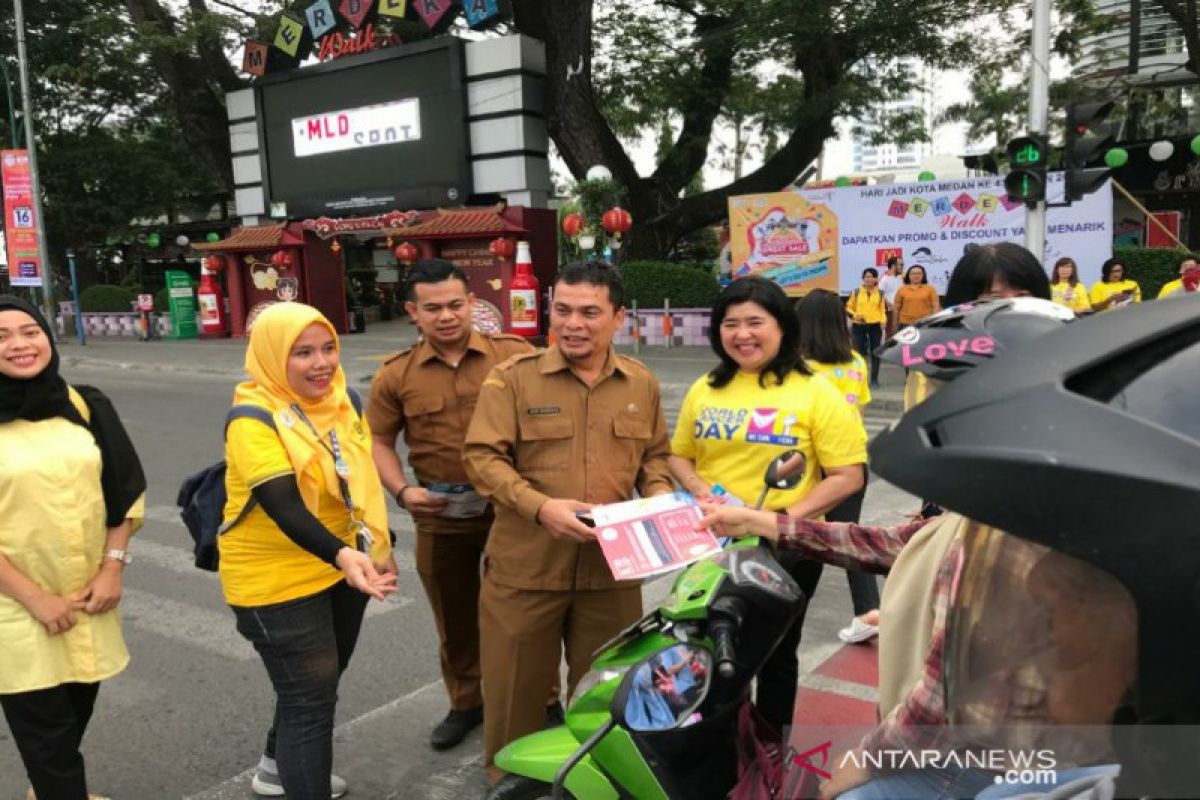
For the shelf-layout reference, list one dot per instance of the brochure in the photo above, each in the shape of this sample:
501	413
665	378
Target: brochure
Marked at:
652	535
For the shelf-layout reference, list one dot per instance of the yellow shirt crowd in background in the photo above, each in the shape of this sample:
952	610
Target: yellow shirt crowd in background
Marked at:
867	307
1074	297
1103	291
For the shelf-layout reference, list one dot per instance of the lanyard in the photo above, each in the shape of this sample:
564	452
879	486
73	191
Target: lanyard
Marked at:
334	448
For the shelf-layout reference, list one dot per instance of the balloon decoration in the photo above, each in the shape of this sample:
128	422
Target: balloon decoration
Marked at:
502	248
281	260
153	240
1161	151
1195	145
572	224
1116	157
927	176
616	221
214	263
213	237
842	181
407	252
182	240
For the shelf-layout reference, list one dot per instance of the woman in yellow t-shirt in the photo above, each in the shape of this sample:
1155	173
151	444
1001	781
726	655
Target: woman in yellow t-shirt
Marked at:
825	345
762	400
299	568
916	299
64	538
1114	290
1066	288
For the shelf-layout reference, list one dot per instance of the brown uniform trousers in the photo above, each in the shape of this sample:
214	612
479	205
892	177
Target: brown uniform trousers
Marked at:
539	432
431	402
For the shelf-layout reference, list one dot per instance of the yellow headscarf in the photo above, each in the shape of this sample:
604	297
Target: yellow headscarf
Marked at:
271	340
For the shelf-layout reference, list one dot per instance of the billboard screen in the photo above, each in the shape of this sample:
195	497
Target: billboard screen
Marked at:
368	133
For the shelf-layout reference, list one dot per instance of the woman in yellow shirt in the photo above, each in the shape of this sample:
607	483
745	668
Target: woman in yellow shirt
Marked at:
1066	288
1114	290
916	299
825	345
71	492
867	309
299	567
762	400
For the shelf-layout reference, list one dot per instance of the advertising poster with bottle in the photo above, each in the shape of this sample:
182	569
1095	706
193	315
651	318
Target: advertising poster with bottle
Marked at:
785	238
24	263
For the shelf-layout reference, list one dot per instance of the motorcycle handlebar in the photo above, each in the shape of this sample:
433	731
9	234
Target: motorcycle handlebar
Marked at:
723	629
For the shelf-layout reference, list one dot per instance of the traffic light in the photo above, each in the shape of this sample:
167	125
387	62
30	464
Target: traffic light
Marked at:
1027	157
1087	139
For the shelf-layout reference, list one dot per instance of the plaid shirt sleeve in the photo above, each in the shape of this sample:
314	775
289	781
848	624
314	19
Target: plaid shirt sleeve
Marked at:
917	723
847	544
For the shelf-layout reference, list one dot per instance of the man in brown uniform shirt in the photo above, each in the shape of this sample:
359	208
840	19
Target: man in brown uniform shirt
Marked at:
554	433
428	392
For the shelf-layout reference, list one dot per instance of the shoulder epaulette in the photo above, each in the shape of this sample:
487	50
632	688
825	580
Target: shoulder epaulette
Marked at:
406	351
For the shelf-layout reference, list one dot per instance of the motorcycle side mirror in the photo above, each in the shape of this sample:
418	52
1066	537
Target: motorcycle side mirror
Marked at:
785	471
664	690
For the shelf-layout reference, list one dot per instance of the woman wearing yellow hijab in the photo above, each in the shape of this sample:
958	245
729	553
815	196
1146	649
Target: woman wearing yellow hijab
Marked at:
299	568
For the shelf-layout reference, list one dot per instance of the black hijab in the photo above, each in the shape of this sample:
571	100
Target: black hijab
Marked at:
46	395
42	396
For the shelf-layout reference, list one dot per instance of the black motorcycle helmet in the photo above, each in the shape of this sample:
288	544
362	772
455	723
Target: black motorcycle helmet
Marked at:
1087	441
947	344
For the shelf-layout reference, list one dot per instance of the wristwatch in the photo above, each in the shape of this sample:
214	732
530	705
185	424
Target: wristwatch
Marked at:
116	554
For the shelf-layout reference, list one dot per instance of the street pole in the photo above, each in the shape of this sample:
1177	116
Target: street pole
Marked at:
1039	113
35	184
12	108
77	316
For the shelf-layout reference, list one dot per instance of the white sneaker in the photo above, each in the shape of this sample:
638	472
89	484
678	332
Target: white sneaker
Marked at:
266	783
858	632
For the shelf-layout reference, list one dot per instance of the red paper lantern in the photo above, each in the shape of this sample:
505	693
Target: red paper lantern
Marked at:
281	260
407	252
502	248
617	220
214	263
572	224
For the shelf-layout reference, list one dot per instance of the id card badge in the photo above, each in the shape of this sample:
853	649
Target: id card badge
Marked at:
362	537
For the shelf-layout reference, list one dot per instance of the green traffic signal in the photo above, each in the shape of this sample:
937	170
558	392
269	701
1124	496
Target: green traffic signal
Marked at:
1027	157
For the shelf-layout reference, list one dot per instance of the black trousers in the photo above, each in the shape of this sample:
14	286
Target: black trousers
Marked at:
48	726
866	339
864	588
776	693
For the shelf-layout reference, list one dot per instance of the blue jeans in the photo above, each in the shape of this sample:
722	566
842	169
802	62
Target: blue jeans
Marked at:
305	645
925	784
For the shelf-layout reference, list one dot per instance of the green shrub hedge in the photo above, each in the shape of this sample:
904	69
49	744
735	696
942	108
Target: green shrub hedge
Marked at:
107	298
652	282
1150	267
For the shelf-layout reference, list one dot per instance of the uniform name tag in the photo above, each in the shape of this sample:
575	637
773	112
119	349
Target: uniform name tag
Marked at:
541	411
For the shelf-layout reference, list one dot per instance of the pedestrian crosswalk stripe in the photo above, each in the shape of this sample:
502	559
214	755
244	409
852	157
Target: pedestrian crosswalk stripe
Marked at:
209	630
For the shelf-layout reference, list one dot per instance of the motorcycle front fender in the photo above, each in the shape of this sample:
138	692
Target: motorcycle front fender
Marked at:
540	755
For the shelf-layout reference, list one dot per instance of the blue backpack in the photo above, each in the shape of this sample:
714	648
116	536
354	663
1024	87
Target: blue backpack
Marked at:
201	498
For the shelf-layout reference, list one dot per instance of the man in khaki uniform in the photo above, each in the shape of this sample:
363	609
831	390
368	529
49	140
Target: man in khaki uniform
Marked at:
554	433
428	393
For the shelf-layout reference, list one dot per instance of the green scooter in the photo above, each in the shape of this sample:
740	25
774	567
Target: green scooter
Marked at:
656	717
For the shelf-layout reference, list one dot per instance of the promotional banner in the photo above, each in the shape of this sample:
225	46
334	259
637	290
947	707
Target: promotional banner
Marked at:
824	238
787	237
24	263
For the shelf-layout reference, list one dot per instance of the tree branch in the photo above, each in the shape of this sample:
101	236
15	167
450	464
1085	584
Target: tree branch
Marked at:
573	119
232	7
686	157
